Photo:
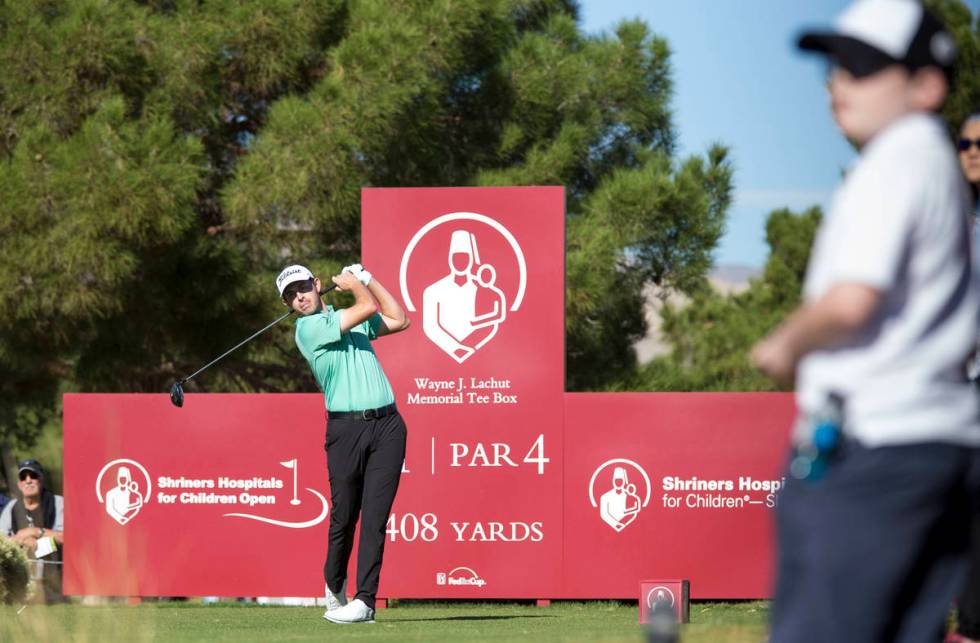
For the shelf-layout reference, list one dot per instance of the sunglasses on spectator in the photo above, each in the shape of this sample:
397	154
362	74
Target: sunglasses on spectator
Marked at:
24	475
966	143
289	294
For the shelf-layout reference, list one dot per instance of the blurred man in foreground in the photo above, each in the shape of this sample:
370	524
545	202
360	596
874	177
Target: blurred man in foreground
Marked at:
873	522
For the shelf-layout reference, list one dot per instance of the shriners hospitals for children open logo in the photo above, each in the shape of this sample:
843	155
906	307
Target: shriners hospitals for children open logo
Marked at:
124	494
620	501
473	274
123	486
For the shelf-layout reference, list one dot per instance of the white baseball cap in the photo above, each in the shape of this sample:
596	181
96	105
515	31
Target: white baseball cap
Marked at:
291	274
873	34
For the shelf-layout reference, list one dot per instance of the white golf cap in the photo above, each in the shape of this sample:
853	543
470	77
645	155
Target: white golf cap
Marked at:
872	34
290	274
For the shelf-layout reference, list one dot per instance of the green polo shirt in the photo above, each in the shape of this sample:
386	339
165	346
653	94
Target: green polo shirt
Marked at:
344	364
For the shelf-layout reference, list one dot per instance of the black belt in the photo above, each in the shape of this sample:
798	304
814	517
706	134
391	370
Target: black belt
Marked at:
367	414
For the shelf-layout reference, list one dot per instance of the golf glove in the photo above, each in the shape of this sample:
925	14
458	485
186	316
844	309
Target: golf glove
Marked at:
359	272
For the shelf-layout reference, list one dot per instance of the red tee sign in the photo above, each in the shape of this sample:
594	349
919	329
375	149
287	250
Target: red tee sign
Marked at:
511	488
480	382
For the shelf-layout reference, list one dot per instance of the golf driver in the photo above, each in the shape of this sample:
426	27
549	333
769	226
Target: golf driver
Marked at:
177	390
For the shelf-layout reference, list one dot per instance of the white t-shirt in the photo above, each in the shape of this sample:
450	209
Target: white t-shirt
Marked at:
899	223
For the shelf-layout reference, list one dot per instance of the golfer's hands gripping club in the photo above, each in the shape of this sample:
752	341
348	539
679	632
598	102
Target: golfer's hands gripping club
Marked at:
346	281
358	271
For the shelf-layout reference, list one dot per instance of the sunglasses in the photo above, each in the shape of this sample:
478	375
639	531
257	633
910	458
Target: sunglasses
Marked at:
964	144
24	475
289	294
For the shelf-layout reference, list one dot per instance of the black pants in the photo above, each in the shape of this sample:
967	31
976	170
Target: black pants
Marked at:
364	463
876	549
968	604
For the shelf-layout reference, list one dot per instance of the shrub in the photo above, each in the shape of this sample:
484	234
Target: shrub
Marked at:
14	574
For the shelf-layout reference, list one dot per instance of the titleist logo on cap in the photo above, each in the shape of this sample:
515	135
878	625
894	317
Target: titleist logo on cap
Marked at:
290	274
285	273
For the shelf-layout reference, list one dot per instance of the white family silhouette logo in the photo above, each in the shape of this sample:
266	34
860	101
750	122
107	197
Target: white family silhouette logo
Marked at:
660	594
124	500
463	310
619	504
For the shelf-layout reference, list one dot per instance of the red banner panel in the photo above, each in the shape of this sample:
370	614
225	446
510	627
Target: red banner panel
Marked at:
226	497
479	379
672	485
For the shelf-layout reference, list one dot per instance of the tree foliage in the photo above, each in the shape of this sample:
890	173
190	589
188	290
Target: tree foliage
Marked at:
161	160
711	336
964	98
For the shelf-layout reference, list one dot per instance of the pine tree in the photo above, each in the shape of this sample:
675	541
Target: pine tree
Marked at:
160	161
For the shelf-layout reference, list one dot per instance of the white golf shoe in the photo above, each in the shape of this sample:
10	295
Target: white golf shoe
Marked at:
354	612
335	601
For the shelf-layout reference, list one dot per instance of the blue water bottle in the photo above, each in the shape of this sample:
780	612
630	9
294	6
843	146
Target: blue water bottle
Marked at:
821	442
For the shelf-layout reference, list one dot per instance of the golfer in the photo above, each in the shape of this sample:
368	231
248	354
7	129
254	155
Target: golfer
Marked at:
365	433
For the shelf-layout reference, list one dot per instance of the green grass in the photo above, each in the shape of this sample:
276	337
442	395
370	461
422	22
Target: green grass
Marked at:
419	621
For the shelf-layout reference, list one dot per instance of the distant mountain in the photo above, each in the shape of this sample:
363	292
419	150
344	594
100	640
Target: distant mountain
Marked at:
726	279
733	277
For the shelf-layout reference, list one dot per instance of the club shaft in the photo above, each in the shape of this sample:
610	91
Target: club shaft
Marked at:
245	341
236	347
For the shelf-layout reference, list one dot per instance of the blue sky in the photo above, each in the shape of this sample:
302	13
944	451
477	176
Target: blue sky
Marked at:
739	81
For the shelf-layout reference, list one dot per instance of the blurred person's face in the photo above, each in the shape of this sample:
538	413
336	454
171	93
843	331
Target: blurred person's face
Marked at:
970	157
862	107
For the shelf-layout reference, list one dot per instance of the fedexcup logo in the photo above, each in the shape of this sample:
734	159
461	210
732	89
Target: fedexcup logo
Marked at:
466	302
620	501
459	577
124	495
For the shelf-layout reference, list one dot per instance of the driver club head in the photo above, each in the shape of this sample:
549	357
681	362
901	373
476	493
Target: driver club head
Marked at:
177	394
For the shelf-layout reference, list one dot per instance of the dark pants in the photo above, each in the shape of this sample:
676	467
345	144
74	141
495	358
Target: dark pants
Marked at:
364	463
968	604
876	550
